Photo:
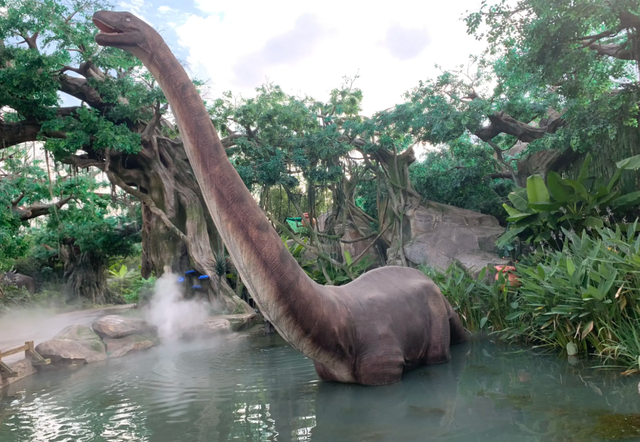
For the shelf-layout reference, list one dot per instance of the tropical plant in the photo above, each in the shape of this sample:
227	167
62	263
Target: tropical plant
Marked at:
541	211
483	303
585	295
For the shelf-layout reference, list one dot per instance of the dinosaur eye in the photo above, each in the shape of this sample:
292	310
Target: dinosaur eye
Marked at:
127	19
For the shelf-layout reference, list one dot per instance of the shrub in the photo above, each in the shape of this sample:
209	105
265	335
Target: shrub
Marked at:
541	211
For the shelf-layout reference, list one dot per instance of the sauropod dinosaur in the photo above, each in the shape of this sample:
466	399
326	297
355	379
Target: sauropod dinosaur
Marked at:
368	331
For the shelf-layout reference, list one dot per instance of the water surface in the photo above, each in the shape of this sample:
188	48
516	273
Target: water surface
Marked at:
262	390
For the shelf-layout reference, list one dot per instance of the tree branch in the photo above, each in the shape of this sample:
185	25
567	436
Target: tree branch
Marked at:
150	204
36	210
80	89
618	51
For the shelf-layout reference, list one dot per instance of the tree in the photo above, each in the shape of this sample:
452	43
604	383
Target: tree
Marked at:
567	68
118	126
79	229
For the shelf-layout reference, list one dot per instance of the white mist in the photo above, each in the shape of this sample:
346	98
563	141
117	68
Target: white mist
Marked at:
170	313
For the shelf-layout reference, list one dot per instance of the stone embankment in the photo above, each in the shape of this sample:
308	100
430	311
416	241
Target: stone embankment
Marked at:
113	336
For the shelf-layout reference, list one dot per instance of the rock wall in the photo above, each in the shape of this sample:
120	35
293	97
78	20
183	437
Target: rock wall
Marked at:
441	235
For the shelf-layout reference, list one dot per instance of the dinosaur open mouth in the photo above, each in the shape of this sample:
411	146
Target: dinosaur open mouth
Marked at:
105	28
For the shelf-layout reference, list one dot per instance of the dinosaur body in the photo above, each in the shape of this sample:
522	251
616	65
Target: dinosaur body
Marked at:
368	331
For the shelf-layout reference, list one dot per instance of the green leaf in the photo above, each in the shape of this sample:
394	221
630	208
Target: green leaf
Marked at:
511	211
513	316
584	169
509	235
630	199
483	322
560	191
545	207
631	163
593	292
571	268
581	191
536	190
347	258
519	199
592	221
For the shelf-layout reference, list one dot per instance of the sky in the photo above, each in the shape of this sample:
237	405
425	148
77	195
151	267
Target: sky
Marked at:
307	47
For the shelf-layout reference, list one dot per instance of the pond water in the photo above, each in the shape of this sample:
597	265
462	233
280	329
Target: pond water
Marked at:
262	390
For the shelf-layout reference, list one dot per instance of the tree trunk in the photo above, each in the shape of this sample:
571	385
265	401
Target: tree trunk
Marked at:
86	277
177	231
400	199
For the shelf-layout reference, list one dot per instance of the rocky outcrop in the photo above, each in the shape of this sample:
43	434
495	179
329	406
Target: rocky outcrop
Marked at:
239	322
116	326
441	235
76	344
23	368
122	346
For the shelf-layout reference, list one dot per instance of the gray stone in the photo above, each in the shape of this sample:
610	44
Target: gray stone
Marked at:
116	326
122	346
240	322
76	344
218	325
23	367
442	235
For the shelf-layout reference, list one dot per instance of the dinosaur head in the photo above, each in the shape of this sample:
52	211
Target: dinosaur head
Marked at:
123	30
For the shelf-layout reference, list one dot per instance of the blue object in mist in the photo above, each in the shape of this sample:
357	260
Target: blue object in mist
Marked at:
180	279
190	272
196	287
204	277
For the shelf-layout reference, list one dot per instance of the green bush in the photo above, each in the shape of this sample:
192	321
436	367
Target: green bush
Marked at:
585	295
542	210
129	284
482	305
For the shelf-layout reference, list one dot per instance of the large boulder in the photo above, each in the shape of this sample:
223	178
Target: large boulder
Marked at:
122	346
239	322
75	344
441	235
115	326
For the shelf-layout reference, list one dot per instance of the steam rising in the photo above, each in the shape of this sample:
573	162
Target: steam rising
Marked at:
170	313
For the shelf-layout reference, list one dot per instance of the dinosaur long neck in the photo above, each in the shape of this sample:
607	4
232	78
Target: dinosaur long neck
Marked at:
282	290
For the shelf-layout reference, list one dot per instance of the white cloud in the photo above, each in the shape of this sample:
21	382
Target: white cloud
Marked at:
308	47
164	9
136	7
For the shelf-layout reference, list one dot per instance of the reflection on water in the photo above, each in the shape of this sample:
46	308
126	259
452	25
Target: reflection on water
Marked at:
262	390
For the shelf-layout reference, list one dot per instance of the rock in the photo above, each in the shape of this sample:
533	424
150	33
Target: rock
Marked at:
122	346
23	367
115	326
255	331
76	344
242	321
441	235
218	325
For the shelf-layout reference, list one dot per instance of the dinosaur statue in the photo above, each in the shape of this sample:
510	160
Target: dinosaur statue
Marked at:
368	331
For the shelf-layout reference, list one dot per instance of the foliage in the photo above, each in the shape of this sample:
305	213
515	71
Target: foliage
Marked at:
586	294
482	306
15	297
319	270
542	210
461	175
129	284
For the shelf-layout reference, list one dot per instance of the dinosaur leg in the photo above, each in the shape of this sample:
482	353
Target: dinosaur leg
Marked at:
332	375
381	366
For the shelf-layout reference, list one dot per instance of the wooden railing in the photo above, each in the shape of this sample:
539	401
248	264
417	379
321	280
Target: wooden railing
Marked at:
29	352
